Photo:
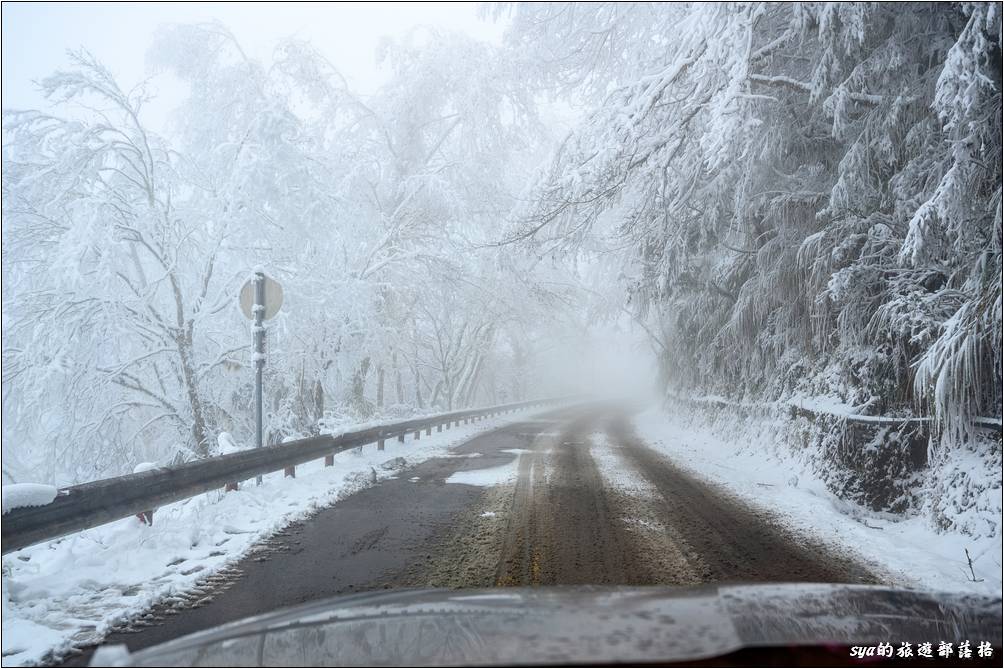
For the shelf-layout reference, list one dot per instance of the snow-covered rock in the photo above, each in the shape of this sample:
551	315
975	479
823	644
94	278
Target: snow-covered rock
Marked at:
17	495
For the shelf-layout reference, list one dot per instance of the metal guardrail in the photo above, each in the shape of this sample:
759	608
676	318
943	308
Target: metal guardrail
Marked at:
795	410
88	505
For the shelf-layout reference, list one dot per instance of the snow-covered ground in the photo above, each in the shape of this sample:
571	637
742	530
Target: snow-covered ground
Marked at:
73	590
759	469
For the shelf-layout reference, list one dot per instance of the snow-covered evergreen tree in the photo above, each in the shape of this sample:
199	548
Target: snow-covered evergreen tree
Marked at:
810	192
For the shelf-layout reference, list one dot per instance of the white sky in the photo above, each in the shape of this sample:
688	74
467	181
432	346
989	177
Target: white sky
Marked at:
36	36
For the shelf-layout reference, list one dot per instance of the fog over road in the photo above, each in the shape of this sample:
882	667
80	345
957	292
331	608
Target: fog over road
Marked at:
568	497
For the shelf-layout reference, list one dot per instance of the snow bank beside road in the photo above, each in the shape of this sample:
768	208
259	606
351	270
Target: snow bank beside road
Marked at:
759	469
72	591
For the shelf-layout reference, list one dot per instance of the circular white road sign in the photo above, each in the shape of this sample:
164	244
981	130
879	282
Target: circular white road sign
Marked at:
273	298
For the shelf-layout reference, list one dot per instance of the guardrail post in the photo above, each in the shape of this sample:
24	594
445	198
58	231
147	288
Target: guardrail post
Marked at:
400	437
329	460
380	442
439	428
428	430
289	472
418	434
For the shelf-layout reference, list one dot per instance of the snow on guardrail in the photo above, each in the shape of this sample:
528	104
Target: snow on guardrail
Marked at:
20	495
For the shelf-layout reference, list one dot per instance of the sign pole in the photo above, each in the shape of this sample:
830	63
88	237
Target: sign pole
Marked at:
259	354
260	299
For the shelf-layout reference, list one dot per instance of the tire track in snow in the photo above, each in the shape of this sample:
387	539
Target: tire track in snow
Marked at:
725	539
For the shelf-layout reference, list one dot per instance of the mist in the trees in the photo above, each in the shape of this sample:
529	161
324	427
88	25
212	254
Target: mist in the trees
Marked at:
807	197
754	201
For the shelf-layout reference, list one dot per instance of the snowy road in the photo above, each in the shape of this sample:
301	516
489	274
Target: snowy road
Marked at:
568	498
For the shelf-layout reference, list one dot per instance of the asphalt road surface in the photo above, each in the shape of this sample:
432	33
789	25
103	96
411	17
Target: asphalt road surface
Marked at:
569	497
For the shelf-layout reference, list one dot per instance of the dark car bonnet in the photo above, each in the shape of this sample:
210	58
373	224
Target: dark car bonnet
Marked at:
577	625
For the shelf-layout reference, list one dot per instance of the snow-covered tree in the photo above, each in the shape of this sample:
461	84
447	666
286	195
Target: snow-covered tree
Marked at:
111	279
810	192
124	252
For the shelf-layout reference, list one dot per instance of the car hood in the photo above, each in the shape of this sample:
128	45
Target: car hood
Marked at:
577	625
